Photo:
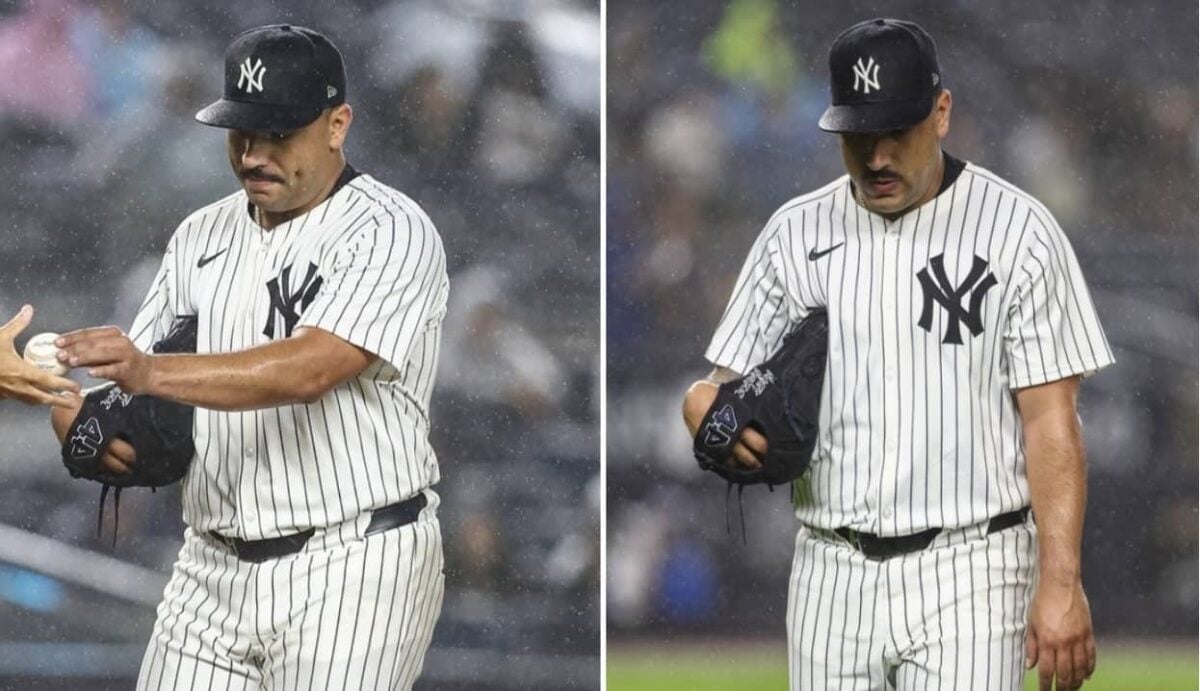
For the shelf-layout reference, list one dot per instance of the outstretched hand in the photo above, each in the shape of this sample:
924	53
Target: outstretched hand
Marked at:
23	381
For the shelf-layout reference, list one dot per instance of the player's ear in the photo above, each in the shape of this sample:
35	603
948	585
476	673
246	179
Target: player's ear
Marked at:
943	106
340	118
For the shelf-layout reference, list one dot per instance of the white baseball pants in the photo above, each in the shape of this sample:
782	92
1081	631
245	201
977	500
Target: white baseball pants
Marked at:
948	618
346	612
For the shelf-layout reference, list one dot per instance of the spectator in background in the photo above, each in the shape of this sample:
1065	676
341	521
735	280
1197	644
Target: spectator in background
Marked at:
427	116
44	75
489	356
160	144
123	58
518	134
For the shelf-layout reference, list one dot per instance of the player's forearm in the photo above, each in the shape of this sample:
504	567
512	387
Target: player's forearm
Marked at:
275	374
1057	474
720	375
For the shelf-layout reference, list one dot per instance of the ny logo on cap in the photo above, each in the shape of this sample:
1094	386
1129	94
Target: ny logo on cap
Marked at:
867	75
252	76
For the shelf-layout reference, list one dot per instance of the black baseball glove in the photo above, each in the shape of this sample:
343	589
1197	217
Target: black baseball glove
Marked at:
159	431
781	399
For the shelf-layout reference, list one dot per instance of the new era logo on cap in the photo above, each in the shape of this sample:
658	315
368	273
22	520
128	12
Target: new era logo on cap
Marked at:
883	75
278	78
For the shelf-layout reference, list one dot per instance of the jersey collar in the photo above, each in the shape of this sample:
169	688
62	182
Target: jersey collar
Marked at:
950	171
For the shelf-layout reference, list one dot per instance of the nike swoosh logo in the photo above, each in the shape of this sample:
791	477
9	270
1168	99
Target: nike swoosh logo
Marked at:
814	255
204	260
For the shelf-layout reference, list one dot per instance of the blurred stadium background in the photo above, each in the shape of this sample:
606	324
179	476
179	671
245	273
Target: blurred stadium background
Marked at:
486	113
712	110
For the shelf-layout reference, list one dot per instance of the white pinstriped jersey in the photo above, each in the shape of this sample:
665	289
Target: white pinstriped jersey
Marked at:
935	318
366	265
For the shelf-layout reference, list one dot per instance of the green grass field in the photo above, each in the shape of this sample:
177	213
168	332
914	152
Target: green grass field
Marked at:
742	667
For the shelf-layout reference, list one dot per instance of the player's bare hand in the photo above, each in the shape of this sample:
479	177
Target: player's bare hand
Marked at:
120	457
750	447
120	454
108	354
1059	640
21	380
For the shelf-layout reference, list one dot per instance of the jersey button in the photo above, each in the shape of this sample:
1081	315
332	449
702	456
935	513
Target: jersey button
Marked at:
887	512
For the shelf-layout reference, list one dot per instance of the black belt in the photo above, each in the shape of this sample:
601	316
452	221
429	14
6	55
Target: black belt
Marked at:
880	548
386	518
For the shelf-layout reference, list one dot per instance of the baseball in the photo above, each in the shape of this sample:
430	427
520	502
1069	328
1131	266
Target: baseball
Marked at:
41	352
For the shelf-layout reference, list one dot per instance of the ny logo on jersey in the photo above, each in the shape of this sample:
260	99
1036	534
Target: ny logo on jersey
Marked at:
719	430
950	297
284	301
86	441
867	75
250	80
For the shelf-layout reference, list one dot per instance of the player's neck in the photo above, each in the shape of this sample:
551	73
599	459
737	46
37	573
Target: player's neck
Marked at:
935	184
270	219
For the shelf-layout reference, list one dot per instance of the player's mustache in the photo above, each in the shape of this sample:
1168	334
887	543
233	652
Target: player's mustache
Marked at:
881	176
258	174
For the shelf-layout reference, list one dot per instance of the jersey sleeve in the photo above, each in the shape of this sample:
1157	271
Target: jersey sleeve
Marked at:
759	313
1053	329
158	310
384	288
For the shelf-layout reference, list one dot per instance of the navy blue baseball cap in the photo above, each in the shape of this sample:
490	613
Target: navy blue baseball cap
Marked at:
883	75
278	78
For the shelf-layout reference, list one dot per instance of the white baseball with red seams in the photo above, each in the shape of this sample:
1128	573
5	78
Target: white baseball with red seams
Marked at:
41	352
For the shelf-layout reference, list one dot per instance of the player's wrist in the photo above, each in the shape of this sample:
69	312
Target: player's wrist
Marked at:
1060	576
153	379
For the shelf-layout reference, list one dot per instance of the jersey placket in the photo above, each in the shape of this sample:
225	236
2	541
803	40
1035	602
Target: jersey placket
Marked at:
247	488
890	390
263	489
232	459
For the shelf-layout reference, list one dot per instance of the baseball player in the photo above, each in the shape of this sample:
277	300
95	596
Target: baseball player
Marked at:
313	556
23	381
959	329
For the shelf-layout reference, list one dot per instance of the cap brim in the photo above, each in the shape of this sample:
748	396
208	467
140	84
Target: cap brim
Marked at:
256	117
876	117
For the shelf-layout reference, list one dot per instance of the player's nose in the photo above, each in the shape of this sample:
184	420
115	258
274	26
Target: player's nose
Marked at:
251	149
878	152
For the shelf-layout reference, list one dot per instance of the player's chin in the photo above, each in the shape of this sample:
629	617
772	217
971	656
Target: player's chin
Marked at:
265	194
892	203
